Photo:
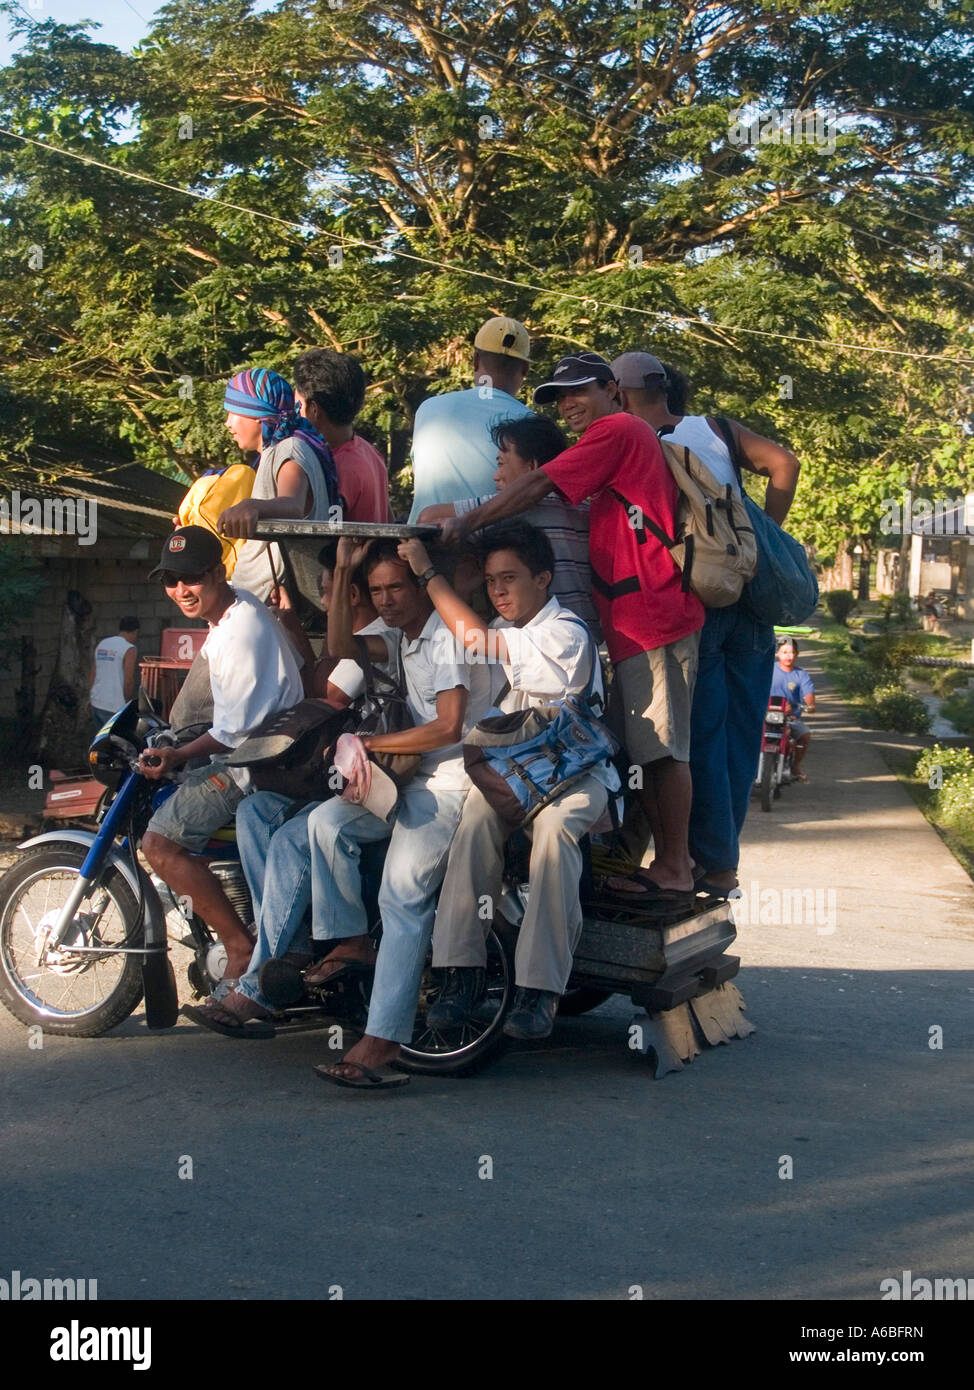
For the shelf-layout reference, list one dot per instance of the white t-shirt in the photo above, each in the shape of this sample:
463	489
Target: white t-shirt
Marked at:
431	663
253	570
550	658
695	432
347	675
453	454
253	672
108	691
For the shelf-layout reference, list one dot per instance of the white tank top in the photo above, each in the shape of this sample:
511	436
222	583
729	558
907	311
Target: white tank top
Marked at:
108	691
696	434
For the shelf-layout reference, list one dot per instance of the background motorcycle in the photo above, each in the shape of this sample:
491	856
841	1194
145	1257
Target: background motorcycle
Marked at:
776	763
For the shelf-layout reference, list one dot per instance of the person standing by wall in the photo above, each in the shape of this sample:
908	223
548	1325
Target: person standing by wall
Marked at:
114	678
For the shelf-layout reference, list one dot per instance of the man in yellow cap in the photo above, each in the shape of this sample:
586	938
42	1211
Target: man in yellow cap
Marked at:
454	456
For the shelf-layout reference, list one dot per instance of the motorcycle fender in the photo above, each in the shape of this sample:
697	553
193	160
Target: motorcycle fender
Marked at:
155	922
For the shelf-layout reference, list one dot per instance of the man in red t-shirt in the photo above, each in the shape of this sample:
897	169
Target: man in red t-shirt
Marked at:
329	388
652	628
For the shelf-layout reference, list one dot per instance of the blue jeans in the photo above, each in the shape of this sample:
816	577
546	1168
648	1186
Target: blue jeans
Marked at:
276	860
419	844
726	721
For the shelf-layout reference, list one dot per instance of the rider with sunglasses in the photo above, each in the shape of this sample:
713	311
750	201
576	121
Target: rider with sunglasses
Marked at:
253	674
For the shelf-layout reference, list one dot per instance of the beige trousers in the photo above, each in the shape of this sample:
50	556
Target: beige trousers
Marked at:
472	887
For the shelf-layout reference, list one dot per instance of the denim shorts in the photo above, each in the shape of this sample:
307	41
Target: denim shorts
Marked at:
201	805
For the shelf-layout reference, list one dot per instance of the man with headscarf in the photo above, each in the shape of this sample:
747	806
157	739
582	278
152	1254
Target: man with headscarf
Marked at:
296	474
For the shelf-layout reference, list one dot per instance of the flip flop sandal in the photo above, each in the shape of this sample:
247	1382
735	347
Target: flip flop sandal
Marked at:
651	895
343	969
219	1020
372	1079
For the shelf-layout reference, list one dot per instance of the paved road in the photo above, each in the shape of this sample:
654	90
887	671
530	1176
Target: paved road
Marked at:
602	1178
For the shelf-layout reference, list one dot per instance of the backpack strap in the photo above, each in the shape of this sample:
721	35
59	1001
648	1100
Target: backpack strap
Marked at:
588	695
375	679
647	524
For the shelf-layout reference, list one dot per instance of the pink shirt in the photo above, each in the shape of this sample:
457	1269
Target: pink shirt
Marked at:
362	480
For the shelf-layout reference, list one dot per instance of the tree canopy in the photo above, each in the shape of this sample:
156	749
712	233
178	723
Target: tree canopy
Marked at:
383	177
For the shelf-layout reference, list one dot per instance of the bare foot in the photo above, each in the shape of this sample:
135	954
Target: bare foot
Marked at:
241	1005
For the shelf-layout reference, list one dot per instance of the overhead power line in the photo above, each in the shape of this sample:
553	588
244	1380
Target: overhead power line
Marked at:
587	301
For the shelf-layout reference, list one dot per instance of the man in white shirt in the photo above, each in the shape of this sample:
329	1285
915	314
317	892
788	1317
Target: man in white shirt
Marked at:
253	674
445	697
114	675
272	839
453	452
546	654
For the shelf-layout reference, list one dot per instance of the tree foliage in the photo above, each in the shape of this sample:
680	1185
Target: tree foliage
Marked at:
571	164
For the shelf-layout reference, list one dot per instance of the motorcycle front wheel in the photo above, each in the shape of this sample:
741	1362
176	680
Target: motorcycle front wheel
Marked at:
767	781
81	992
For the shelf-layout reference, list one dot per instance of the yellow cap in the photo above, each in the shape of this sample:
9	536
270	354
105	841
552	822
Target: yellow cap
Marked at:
506	337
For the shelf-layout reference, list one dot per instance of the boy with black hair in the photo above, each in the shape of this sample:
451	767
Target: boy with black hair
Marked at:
525	443
651	625
329	389
546	655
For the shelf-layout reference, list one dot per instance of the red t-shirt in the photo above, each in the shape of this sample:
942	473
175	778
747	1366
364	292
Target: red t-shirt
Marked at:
362	480
636	582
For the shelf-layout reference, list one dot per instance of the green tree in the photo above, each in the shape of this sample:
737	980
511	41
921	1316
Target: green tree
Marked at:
574	164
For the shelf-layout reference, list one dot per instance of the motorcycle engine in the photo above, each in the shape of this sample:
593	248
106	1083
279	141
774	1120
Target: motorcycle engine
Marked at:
231	879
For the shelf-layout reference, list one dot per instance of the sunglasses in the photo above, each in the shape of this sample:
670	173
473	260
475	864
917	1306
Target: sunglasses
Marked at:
170	580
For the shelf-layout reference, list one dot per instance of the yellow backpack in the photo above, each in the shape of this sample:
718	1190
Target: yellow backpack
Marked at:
210	496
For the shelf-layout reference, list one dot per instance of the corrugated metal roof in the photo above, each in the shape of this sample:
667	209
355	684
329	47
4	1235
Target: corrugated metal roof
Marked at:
132	501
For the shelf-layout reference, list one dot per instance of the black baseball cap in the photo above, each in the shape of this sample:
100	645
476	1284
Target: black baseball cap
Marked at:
574	371
189	550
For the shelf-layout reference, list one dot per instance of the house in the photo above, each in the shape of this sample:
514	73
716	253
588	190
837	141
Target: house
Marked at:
941	555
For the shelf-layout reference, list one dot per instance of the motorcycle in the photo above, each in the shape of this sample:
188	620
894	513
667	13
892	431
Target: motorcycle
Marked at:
776	764
84	936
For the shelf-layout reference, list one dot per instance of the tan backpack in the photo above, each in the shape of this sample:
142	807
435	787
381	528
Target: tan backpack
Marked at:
714	545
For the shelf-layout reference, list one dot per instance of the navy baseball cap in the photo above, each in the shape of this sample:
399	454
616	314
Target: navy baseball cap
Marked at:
574	371
189	550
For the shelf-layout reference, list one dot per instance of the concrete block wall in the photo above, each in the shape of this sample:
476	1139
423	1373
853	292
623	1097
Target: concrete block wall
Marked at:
114	586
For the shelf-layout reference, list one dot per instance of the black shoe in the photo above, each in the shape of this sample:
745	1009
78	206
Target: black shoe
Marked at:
533	1014
463	988
280	982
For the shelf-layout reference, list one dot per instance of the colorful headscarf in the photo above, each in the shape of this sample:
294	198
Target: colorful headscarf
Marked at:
264	396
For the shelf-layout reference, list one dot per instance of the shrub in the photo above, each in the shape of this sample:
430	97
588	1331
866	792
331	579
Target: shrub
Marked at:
892	707
946	682
948	759
955	802
840	603
892	653
959	709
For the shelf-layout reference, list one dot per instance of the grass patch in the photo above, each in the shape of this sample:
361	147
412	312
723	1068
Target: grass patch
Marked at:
956	830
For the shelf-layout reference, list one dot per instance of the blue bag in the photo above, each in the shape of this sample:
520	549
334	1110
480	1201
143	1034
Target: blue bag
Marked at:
784	590
522	761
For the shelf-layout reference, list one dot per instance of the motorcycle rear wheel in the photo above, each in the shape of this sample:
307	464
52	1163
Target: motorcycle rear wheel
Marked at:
69	993
465	1050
